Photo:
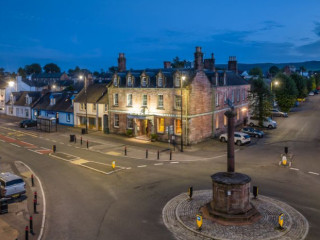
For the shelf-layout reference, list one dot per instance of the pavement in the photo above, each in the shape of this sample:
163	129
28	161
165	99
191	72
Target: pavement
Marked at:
13	223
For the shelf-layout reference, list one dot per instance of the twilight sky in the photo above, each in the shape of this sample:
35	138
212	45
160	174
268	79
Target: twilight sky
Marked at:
90	34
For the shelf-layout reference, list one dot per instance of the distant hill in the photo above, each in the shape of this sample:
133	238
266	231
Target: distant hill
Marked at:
309	65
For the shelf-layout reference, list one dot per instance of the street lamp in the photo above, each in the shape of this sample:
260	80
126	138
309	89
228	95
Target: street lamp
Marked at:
181	81
11	85
86	99
275	83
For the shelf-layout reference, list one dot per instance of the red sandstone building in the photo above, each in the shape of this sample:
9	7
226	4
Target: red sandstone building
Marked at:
149	101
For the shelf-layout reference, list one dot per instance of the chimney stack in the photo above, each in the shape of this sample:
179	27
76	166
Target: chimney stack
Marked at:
167	64
210	63
233	64
121	63
198	59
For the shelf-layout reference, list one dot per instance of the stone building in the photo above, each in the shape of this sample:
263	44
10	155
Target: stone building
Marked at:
168	101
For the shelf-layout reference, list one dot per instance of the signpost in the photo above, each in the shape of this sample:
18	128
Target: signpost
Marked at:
281	221
113	165
199	221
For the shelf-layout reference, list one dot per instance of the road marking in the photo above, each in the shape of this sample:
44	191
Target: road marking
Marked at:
158	164
174	162
113	153
53	140
15	145
61	142
128	168
77	147
79	161
35	151
142	166
314	173
48	139
296	169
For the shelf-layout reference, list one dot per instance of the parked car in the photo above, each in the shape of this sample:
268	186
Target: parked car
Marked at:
11	185
311	93
316	91
267	122
277	113
239	138
28	123
253	132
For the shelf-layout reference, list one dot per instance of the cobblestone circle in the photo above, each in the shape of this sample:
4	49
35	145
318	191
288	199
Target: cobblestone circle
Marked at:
179	216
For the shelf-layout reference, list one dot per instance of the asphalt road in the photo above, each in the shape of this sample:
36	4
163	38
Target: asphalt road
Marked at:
86	204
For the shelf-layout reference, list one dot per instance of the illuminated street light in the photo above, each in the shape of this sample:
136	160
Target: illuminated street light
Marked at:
54	86
86	99
11	83
182	79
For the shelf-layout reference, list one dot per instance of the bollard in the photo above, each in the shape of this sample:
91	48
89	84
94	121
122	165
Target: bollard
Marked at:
190	192
87	144
170	155
146	153
34	205
35	195
158	155
27	233
31	225
54	148
32	180
286	150
255	191
75	139
81	140
125	150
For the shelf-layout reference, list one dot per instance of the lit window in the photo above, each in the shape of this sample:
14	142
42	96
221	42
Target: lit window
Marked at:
217	122
178	126
115	99
129	123
238	113
160	101
116	120
129	100
144	100
177	102
217	99
144	82
160	82
129	81
224	120
160	125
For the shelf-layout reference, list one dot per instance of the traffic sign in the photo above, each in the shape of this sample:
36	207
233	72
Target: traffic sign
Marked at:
113	164
199	221
281	220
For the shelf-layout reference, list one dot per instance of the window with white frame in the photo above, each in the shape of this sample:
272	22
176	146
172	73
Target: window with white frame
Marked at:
52	101
129	81
106	107
177	102
129	123
144	81
232	95
225	97
116	99
81	106
144	100
94	107
238	95
115	81
160	81
68	117
217	99
160	101
243	94
129	100
177	81
116	120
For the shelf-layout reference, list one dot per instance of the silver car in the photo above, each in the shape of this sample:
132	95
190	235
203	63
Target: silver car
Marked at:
277	113
11	185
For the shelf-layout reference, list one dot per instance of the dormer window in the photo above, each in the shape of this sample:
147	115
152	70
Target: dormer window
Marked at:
177	81
28	100
144	81
52	101
160	81
129	81
115	81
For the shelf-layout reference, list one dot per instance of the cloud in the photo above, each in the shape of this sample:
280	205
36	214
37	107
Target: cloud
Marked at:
317	29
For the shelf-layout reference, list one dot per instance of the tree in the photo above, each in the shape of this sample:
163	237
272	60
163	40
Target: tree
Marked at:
301	84
286	92
22	72
113	69
51	68
260	99
96	74
311	84
176	63
317	79
77	70
256	71
274	70
303	69
1	72
33	68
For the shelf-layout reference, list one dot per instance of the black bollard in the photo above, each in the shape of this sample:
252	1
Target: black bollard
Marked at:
81	140
146	153
158	155
54	148
75	139
255	191
32	180
35	205
35	195
190	192
170	155
125	150
87	144
286	150
31	225
27	233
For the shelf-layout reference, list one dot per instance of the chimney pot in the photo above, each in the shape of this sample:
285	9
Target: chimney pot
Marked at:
167	64
121	63
198	59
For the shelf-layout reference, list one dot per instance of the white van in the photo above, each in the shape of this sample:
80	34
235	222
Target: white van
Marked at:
267	122
11	185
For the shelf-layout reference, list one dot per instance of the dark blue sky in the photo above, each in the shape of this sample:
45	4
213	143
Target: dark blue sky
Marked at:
92	33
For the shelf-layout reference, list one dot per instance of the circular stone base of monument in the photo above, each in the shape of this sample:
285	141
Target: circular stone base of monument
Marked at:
179	216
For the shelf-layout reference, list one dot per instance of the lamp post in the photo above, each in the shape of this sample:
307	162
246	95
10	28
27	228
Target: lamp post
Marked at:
181	79
11	85
86	98
276	83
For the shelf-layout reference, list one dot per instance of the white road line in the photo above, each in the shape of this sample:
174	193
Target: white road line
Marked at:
15	145
48	139
296	169
174	162
2	140
43	202
61	142
314	173
35	151
158	164
142	166
45	148
53	140
128	168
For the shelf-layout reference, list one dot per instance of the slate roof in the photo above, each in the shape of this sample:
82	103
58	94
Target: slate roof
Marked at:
63	102
168	73
94	93
21	98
